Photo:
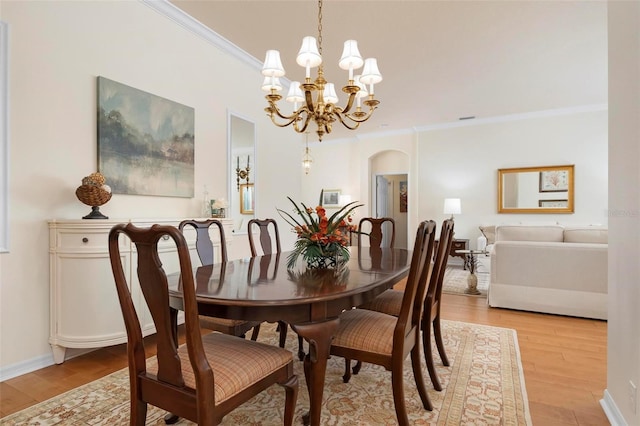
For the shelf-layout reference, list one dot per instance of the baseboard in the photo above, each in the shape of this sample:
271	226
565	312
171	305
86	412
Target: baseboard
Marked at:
33	364
611	410
24	367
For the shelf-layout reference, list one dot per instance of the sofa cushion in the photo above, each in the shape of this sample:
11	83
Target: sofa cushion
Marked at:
546	233
589	234
489	232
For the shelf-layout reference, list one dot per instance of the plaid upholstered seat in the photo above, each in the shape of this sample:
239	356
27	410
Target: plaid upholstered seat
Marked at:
237	364
388	302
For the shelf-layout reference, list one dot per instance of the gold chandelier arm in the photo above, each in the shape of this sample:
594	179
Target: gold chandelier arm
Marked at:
306	123
351	90
345	124
359	118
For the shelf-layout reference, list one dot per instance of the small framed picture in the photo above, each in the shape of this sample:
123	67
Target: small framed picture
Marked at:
331	198
554	181
404	196
553	203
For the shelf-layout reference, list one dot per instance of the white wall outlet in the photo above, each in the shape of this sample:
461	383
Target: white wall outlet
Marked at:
633	396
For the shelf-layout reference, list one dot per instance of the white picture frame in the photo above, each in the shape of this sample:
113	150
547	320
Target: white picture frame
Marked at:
331	198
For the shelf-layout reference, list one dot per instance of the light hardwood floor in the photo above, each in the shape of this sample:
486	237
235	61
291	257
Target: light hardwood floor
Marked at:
564	362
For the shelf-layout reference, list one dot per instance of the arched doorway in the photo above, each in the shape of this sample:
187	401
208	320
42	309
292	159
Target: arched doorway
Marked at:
390	189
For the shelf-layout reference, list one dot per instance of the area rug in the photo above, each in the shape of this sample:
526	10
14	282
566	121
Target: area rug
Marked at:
483	386
455	281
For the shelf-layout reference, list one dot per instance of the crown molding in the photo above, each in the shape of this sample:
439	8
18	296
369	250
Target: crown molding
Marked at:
514	117
169	10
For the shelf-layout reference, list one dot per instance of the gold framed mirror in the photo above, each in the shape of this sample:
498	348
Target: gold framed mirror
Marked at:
246	198
542	189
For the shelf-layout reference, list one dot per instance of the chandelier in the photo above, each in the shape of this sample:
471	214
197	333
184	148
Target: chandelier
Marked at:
323	110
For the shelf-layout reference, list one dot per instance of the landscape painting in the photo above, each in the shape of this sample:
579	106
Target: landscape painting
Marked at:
145	142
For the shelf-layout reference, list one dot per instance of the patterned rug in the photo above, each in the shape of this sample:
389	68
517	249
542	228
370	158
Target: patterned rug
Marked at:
455	281
483	386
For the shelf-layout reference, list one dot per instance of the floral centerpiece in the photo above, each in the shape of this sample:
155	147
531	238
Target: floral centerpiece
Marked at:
322	241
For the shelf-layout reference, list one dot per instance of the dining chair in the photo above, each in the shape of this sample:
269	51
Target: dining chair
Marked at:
209	375
390	301
266	228
377	236
204	248
386	340
377	239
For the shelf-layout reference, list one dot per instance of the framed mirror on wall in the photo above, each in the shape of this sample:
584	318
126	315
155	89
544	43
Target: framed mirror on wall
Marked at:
246	199
241	135
540	189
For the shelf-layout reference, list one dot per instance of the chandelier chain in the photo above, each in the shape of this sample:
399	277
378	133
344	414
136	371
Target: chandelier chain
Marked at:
320	27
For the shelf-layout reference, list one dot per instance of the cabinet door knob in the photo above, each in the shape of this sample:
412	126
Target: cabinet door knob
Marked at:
85	240
165	237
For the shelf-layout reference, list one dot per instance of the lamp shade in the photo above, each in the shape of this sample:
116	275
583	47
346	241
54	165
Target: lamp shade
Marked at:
329	94
309	56
272	66
370	73
295	93
452	206
351	58
271	83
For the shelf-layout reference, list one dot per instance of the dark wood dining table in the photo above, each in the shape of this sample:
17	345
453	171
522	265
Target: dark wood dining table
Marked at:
310	300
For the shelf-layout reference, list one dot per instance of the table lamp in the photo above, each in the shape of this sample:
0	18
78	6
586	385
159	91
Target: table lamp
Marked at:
452	206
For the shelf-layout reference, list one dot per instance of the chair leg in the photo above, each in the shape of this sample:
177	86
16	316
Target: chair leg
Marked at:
255	332
419	378
138	412
347	371
301	353
428	355
291	392
437	333
282	327
357	367
397	387
170	419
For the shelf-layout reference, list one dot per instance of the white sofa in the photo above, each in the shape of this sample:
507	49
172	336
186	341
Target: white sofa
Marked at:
552	269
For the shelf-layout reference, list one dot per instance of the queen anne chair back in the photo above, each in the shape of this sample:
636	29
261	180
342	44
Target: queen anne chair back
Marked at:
379	236
204	245
266	240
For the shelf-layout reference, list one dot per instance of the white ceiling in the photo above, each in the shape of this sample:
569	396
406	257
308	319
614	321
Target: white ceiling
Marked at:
441	60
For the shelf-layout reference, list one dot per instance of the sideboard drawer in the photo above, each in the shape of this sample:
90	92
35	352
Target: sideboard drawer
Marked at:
82	240
458	245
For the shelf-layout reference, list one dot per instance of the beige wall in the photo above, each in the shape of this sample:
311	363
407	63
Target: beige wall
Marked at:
623	355
57	50
461	161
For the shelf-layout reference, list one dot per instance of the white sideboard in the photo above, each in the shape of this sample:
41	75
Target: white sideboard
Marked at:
84	307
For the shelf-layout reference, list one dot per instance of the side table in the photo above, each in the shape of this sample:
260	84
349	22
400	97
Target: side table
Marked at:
456	245
470	262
